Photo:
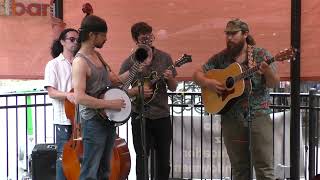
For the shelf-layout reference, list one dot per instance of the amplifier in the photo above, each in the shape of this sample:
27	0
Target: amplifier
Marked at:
43	163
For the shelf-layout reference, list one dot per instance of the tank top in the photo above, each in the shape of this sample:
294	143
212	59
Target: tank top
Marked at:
96	85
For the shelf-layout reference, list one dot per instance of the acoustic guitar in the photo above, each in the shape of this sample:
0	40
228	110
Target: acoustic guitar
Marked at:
152	81
232	78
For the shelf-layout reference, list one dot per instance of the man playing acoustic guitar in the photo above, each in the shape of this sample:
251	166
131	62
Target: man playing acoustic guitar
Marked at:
253	104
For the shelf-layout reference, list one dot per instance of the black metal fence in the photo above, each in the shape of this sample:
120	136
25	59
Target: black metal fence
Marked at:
197	149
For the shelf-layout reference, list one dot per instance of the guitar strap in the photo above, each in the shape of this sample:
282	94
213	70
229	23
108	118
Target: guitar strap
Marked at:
108	68
100	112
251	61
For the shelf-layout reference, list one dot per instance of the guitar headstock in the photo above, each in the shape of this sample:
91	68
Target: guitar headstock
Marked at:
286	54
183	60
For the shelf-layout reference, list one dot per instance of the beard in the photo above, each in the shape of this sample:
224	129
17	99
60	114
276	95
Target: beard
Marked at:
234	49
99	45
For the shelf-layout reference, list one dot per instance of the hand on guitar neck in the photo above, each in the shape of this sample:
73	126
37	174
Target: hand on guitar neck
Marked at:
272	78
171	81
264	68
168	74
151	81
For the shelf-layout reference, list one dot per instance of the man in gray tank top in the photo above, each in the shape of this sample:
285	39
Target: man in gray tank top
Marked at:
157	113
90	78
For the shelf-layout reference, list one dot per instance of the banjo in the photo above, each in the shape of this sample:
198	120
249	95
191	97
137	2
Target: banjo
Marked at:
122	116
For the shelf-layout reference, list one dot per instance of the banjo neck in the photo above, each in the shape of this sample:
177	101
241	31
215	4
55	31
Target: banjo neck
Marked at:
132	74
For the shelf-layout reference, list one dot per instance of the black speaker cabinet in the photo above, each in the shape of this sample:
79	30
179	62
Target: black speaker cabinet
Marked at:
43	163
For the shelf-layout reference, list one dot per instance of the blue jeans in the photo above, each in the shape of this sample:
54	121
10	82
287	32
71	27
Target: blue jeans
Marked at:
98	141
63	133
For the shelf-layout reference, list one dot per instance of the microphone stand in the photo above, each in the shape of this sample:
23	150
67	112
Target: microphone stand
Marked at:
248	119
142	120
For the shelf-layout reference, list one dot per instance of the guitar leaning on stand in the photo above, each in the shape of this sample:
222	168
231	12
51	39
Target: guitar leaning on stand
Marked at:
232	78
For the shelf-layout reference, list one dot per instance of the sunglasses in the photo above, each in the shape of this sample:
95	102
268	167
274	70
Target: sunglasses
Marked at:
231	33
72	39
146	39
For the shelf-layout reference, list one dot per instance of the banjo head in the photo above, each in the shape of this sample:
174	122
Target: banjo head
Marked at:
118	117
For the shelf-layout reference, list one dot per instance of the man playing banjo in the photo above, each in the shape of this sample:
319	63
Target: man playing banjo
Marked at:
90	79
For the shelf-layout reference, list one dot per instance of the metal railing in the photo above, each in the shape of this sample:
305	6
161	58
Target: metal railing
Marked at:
197	148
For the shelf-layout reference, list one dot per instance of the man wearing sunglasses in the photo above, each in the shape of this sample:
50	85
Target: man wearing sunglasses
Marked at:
157	113
57	79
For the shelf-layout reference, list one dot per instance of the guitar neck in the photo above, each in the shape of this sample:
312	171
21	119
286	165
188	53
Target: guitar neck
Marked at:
251	71
171	67
161	77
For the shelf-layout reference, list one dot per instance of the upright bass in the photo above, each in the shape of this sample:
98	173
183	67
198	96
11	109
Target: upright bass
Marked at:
73	151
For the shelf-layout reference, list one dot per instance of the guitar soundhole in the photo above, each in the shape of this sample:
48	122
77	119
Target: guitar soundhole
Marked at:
229	82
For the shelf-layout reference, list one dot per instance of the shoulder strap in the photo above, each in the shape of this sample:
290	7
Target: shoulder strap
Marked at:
251	61
85	57
108	68
103	62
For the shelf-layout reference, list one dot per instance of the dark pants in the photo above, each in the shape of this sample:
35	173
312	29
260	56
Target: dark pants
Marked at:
160	130
63	133
98	141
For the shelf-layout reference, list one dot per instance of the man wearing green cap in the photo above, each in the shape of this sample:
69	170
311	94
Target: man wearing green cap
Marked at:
252	106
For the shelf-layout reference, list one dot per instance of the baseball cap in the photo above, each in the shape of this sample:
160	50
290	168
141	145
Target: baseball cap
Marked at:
235	25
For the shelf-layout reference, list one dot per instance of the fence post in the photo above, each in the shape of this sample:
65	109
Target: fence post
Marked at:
58	9
295	91
312	126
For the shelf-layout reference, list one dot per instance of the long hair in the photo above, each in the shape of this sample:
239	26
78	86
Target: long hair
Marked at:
250	40
56	47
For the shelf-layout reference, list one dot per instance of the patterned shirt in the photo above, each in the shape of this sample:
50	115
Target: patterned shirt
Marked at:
158	107
258	97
